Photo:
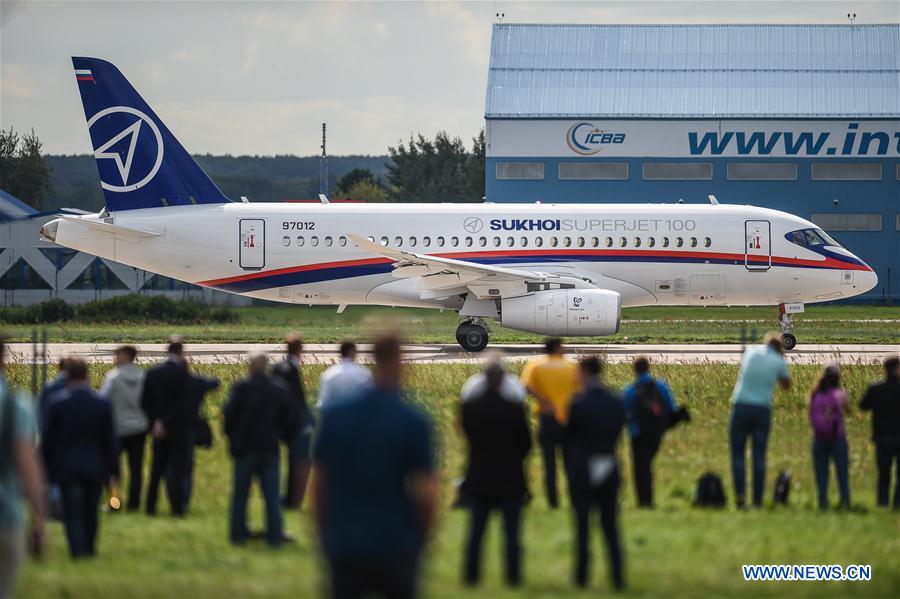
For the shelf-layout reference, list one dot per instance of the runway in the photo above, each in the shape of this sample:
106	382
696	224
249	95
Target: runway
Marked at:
315	353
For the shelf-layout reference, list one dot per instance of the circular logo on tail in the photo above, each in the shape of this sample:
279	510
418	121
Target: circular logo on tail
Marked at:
121	135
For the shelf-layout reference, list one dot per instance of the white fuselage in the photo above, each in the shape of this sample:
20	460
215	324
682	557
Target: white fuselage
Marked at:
669	254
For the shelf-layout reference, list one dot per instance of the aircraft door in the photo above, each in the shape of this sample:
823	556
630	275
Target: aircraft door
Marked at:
757	245
252	243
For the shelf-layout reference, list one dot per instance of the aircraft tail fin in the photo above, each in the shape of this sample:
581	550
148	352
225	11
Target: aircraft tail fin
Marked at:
141	164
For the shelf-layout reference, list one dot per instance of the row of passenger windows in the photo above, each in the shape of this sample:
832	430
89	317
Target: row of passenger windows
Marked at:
692	171
580	242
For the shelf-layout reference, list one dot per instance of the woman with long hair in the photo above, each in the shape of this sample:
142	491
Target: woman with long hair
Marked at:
827	407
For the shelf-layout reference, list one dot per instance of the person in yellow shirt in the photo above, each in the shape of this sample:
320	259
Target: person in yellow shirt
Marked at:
553	382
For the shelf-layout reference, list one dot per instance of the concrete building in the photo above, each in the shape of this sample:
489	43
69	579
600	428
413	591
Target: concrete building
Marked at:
33	270
800	118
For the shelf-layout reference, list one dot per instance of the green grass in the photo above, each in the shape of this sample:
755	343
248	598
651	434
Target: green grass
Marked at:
257	324
675	550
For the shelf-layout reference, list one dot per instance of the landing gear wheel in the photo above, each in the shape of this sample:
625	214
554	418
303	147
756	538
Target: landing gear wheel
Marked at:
472	337
789	341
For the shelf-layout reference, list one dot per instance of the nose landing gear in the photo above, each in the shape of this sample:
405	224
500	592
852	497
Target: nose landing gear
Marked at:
472	335
786	320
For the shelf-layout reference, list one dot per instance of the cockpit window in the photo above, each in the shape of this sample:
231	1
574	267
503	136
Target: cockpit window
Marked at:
811	238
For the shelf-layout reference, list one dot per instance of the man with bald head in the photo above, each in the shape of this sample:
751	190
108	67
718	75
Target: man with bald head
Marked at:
257	416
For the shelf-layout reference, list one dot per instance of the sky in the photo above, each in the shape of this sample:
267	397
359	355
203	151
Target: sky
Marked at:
260	77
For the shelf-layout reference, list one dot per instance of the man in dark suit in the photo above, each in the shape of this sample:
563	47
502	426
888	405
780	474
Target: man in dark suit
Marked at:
883	399
79	447
496	427
163	402
299	438
595	422
257	416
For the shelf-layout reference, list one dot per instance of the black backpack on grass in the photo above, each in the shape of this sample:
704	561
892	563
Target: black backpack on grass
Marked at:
710	491
651	412
782	488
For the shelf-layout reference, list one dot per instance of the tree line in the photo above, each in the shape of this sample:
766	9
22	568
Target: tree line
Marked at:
439	169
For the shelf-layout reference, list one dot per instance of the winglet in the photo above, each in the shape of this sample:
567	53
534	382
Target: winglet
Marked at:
713	200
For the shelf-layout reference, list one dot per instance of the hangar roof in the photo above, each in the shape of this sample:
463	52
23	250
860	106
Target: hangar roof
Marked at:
694	71
12	207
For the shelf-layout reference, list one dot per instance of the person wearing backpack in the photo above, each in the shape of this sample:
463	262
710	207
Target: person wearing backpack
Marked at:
762	367
650	407
827	406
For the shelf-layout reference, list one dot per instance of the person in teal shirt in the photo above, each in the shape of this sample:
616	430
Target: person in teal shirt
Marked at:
762	368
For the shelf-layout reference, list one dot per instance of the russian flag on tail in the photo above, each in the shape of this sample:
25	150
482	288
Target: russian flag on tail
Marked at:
84	75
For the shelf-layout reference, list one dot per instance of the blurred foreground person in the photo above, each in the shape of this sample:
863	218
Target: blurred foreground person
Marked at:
53	390
199	433
496	428
345	380
123	388
650	409
763	367
299	438
883	399
257	417
163	402
595	423
20	474
553	381
827	407
374	486
80	452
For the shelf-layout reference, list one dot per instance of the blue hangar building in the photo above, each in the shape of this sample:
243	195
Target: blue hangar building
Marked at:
800	118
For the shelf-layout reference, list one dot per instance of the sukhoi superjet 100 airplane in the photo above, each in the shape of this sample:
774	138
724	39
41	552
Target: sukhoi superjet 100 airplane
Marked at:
544	268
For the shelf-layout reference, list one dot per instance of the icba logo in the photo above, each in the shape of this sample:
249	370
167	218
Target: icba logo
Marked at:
587	139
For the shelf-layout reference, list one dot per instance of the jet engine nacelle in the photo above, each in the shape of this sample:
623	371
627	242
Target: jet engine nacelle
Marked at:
574	312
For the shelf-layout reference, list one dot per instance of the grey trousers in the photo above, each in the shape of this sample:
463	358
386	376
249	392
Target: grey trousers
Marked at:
12	551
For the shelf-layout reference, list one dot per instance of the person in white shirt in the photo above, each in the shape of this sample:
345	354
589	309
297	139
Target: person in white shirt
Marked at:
345	380
510	389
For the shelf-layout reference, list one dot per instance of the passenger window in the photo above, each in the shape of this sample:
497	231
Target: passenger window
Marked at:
468	242
567	242
329	241
707	242
285	241
581	242
454	241
496	242
440	242
482	241
554	242
412	242
342	241
622	242
314	241
539	242
426	241
693	242
523	242
609	242
398	241
384	240
679	242
595	242
651	242
665	242
637	242
510	242
300	241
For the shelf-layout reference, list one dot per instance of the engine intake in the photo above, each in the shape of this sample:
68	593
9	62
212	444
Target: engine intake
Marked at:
573	312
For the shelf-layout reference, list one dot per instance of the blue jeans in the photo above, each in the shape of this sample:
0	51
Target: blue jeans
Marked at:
754	422
837	451
265	469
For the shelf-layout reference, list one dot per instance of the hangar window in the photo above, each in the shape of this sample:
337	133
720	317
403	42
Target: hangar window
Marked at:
554	242
679	242
412	242
468	242
21	275
329	241
595	242
300	241
314	241
762	171
846	171
454	241
523	242
846	221
897	225
567	242
496	242
693	242
384	240
622	242
680	171
539	241
665	242
520	170
426	241
510	242
482	241
593	171
440	242
581	242
285	241
707	242
637	242
609	242
98	275
651	242
398	241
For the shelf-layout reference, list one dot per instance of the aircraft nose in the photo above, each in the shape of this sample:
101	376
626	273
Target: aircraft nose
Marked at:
866	279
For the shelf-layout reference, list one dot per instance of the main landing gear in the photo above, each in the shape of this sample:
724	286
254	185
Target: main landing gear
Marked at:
472	335
786	320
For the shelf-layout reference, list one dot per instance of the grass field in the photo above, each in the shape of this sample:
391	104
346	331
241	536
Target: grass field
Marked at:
675	550
258	324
